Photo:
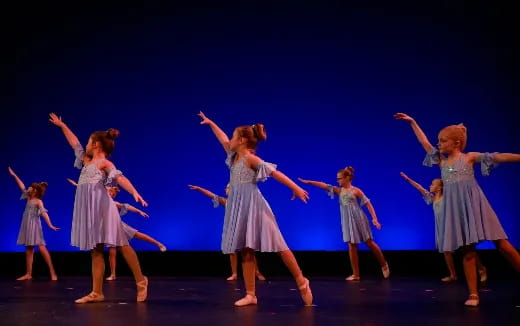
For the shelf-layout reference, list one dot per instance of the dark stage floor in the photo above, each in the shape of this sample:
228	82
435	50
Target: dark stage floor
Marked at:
209	301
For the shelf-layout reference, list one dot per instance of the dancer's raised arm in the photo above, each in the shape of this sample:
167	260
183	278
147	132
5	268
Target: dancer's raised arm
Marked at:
421	136
221	135
18	180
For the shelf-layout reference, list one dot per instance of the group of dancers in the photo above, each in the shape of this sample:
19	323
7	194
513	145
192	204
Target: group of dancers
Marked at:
463	215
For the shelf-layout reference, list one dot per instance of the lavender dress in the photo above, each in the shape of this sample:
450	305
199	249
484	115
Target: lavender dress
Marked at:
438	212
31	233
249	221
129	231
468	216
354	222
95	219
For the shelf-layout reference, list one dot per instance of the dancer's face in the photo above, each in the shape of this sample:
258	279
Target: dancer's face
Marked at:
237	142
446	144
436	186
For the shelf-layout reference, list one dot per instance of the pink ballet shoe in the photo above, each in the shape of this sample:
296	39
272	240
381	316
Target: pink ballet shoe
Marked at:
24	278
353	278
386	271
473	301
449	279
305	292
233	277
260	277
246	301
162	248
111	278
91	297
54	277
482	273
142	290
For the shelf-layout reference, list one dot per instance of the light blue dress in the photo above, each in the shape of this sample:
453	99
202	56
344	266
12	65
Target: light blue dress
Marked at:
129	231
468	216
249	221
31	233
95	219
438	213
354	222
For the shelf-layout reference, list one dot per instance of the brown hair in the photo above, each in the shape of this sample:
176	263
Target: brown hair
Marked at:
347	172
106	138
253	134
457	133
40	188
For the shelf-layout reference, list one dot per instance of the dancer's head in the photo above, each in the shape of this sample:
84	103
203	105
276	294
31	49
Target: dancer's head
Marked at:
247	137
37	189
452	138
102	141
436	186
345	176
113	191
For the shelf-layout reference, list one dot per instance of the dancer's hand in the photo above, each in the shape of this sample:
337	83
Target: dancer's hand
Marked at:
301	194
56	120
376	224
205	120
11	172
404	117
192	187
140	199
304	181
143	214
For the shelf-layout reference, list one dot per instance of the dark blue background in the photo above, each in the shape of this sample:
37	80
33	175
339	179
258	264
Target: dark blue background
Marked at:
325	78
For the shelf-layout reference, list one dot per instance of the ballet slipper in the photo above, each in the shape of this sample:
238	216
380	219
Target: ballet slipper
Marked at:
233	277
305	292
353	278
386	271
473	301
111	278
482	272
54	277
449	279
260	277
246	301
162	248
91	297
142	289
24	278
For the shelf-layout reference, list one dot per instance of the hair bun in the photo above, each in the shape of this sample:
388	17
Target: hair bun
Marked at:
112	133
259	131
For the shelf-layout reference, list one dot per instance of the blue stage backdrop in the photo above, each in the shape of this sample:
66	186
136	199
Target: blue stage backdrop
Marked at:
324	79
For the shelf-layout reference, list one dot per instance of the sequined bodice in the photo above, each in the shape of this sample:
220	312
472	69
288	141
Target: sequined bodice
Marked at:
457	171
240	173
347	198
91	174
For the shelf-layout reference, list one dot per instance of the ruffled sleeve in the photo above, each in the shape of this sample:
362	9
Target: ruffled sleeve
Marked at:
123	209
364	200
432	158
330	191
113	174
264	170
24	195
428	199
487	163
229	158
79	153
42	210
215	201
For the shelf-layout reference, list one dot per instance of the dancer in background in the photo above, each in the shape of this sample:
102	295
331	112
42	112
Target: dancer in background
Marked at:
354	223
233	257
31	233
434	197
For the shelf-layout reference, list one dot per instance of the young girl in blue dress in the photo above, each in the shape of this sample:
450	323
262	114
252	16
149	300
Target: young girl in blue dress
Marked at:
468	216
96	222
354	222
249	223
31	233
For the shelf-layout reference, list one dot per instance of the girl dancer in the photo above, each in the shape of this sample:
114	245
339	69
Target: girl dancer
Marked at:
354	222
434	198
249	223
233	259
469	218
31	233
96	221
131	232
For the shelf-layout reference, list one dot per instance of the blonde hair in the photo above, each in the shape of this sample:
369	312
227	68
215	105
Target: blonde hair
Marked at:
457	133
